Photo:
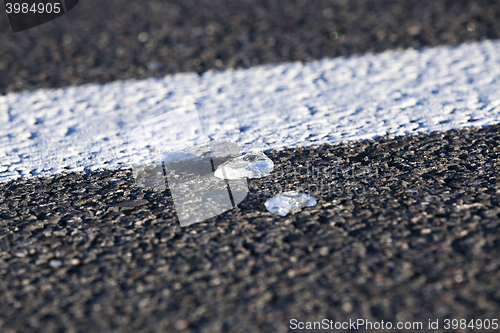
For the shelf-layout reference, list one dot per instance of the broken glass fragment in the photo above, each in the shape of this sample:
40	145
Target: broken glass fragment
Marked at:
253	165
287	202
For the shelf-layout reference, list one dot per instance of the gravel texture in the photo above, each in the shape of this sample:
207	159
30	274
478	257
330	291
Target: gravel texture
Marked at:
405	226
101	41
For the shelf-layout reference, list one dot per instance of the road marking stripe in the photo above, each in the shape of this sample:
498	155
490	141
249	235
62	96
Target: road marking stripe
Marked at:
273	106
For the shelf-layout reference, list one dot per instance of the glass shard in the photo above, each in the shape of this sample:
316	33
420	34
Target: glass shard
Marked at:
253	165
287	202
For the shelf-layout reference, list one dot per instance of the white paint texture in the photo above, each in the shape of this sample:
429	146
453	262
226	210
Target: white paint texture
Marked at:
273	106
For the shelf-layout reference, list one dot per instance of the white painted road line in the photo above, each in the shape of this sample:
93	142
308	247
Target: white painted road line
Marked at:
50	131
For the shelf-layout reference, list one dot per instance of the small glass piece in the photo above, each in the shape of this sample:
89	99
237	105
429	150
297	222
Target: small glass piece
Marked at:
287	202
253	165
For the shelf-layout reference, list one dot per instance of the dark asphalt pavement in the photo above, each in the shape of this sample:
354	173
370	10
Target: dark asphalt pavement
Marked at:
404	228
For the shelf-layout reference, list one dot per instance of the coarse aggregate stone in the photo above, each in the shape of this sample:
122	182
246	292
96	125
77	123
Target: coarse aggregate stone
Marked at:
406	226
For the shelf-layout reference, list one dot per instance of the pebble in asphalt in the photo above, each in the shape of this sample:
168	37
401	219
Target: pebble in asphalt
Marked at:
404	227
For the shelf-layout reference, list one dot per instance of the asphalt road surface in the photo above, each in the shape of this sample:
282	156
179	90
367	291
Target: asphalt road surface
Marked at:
405	228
